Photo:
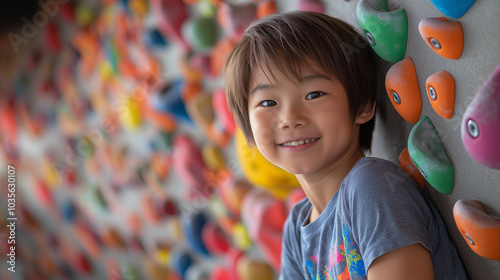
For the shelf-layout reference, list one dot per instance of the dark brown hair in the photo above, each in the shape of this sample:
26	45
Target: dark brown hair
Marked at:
293	40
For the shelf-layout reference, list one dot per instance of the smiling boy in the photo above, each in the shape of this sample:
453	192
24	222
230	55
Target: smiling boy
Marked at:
302	87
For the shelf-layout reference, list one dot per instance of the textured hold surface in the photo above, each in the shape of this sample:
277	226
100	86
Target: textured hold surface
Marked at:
428	154
402	88
480	230
386	31
481	123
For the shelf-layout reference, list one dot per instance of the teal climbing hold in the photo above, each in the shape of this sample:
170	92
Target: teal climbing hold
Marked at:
453	8
428	154
386	31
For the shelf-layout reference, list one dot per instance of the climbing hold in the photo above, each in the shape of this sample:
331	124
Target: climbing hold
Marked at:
189	165
202	113
156	208
212	156
135	245
264	217
265	8
481	123
235	19
81	263
188	71
111	238
88	238
95	198
409	167
52	38
402	87
130	115
154	39
68	210
232	192
219	54
220	273
453	8
311	5
214	239
43	193
160	165
192	224
130	271
162	120
84	14
428	154
200	33
170	15
155	271
262	173
249	269
169	99
385	31
231	260
224	117
134	223
444	37
68	12
441	93
207	8
241	239
480	230
200	110
138	8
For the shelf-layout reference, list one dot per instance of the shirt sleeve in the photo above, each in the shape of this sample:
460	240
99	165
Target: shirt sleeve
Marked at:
290	252
384	210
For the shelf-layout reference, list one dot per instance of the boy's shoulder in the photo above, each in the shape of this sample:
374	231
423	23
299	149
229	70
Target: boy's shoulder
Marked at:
372	174
372	166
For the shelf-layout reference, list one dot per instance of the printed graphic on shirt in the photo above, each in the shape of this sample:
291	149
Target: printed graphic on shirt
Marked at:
339	264
354	261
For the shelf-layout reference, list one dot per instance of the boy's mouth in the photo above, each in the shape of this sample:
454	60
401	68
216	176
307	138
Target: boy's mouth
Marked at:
296	143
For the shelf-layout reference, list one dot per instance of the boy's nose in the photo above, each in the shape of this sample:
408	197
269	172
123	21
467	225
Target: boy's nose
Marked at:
292	120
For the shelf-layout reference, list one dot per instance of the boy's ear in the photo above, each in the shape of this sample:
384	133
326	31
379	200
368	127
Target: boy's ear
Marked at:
367	113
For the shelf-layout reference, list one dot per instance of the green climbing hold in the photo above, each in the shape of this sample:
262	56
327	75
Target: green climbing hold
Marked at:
428	154
385	31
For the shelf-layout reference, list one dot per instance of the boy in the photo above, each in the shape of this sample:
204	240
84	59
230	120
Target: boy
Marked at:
302	87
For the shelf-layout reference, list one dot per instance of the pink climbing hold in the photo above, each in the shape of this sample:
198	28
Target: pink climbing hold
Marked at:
170	15
311	5
481	123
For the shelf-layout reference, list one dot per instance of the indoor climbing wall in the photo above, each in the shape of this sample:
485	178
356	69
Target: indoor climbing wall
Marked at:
124	163
439	106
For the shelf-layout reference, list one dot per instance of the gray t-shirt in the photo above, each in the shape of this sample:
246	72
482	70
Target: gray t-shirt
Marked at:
377	209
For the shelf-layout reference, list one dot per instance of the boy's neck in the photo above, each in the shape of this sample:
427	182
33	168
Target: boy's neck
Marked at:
324	184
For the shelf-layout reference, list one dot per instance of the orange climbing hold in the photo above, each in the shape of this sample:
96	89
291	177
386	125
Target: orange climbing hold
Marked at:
402	88
265	8
406	163
444	37
480	230
441	93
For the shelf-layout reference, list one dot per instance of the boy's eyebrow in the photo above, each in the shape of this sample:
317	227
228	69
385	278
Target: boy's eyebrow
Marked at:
315	76
260	87
303	79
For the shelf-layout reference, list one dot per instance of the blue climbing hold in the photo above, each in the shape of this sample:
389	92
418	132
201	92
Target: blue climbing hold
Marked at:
453	8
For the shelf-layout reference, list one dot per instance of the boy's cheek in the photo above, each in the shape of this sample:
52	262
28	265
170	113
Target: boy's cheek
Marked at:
263	136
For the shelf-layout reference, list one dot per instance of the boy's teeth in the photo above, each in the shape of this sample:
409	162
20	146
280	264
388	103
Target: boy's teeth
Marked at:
297	143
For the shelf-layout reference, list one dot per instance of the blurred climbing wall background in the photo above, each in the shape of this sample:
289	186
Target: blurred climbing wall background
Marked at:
124	163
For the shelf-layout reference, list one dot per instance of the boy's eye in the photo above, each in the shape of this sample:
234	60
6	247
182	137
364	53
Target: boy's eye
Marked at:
267	103
314	95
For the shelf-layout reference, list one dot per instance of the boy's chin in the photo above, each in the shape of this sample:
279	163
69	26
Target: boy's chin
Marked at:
295	170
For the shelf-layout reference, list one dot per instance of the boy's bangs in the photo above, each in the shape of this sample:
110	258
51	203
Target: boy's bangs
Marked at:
289	67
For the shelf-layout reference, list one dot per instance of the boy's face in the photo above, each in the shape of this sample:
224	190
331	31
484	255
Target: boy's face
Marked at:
302	127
